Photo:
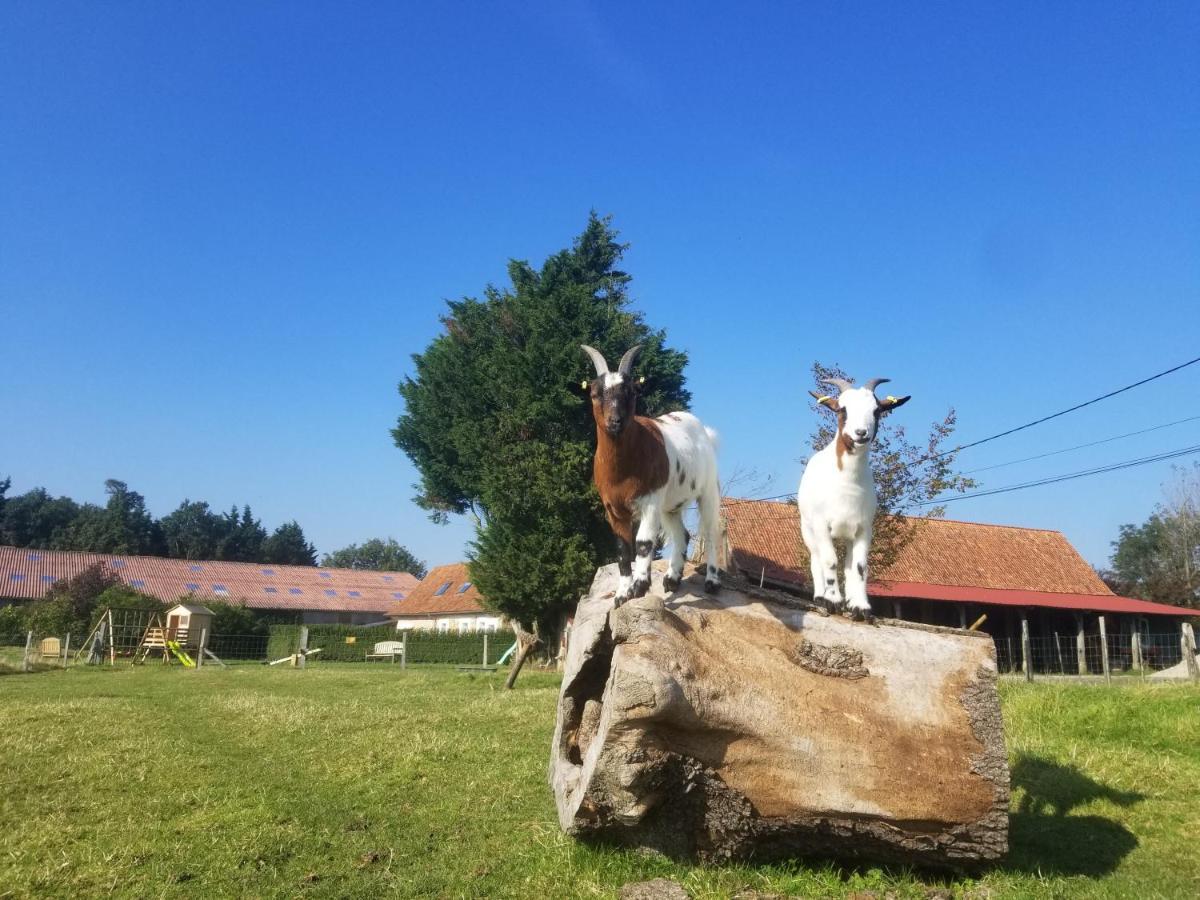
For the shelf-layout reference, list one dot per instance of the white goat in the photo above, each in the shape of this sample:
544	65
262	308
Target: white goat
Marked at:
647	471
837	494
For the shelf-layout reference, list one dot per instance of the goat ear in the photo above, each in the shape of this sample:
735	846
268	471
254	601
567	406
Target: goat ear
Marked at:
825	400
888	403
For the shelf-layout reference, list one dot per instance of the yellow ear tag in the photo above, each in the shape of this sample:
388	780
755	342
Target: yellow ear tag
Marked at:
890	398
823	399
583	384
642	380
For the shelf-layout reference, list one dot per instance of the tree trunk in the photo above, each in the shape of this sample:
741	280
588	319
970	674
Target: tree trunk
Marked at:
751	724
527	642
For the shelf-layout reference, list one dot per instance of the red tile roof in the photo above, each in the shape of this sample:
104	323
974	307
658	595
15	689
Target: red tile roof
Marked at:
424	600
27	575
945	560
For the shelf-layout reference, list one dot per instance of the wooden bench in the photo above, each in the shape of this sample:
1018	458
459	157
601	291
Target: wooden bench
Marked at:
392	650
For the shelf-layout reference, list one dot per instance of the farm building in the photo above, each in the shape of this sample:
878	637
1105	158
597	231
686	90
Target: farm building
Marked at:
446	600
312	594
952	573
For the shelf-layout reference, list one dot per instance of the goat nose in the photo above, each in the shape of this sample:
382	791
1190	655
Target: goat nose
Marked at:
861	432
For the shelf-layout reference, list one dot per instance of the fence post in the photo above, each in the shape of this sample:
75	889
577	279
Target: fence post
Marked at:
1187	642
202	645
1135	648
66	649
1080	645
485	649
404	651
302	650
25	667
1026	661
1104	650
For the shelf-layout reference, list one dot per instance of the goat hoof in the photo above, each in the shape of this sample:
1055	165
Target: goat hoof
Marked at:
710	586
639	588
862	615
670	583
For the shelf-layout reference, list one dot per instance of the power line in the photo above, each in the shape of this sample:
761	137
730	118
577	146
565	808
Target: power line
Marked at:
1055	479
1070	476
1055	415
1063	412
1116	437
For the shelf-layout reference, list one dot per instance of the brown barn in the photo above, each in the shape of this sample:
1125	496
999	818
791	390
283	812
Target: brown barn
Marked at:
952	573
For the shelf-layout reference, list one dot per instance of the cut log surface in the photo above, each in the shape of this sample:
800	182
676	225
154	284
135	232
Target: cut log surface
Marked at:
753	724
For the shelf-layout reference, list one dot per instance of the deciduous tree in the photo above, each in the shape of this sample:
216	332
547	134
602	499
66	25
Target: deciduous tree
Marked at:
1160	559
379	555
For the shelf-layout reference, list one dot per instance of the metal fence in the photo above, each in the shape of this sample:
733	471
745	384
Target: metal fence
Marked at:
1065	654
34	651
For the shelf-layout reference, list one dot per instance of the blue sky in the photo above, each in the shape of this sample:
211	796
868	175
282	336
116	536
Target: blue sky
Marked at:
224	228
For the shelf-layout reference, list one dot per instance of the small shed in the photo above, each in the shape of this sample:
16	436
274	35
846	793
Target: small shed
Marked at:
185	622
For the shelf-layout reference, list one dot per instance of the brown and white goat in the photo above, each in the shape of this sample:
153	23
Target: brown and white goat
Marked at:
647	471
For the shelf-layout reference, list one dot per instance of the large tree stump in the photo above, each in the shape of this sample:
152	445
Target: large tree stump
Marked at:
752	724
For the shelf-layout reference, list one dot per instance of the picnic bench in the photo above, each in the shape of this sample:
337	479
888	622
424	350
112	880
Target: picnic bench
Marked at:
390	650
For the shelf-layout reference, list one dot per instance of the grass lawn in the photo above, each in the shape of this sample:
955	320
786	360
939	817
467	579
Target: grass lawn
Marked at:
351	780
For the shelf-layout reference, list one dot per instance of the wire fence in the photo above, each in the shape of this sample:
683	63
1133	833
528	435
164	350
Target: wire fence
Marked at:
35	651
1068	654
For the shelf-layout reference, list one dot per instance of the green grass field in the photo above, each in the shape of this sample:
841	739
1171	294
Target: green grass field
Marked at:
349	780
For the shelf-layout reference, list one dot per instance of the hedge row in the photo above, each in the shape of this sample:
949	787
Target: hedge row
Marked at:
423	646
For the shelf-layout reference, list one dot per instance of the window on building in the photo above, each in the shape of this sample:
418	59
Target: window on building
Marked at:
466	586
445	587
295	591
34	557
137	582
219	589
268	571
397	595
270	590
49	579
353	594
464	626
443	626
330	592
192	586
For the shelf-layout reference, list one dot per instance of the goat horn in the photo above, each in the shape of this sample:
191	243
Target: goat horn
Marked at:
875	382
628	360
840	383
597	360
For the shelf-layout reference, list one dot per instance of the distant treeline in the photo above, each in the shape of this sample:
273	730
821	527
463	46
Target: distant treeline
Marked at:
193	531
123	525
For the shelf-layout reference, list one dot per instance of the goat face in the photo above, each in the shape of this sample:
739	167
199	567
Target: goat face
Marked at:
614	394
614	402
859	410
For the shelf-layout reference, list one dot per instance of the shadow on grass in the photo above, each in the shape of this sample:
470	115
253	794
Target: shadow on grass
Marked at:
1045	839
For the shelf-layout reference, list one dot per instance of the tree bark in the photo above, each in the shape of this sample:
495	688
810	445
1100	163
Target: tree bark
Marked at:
527	642
752	724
